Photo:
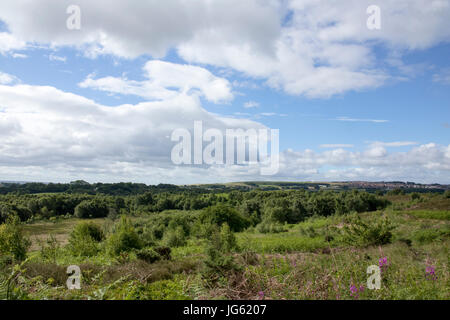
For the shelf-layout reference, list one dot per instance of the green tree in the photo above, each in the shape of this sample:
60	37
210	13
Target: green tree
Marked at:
124	237
220	214
12	239
95	208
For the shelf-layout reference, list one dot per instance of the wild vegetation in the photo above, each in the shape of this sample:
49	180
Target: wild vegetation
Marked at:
181	243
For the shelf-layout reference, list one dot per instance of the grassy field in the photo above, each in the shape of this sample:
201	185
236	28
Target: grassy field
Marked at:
308	260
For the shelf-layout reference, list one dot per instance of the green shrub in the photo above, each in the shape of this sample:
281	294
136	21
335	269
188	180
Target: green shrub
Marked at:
50	248
429	235
203	230
124	238
89	229
415	196
95	208
221	214
375	232
84	239
12	240
175	237
219	259
228	239
148	255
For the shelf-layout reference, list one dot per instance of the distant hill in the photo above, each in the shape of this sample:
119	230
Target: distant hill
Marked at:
128	188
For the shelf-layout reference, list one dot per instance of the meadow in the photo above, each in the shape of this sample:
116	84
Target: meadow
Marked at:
226	245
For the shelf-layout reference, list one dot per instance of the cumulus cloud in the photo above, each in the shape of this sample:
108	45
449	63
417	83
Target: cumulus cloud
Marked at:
43	127
52	135
425	163
166	80
148	27
315	48
304	47
6	78
9	43
326	48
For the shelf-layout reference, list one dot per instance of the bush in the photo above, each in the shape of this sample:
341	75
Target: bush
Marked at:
124	238
175	237
89	229
95	208
203	230
415	196
219	259
360	233
12	240
50	248
429	235
447	194
148	255
221	214
227	238
84	239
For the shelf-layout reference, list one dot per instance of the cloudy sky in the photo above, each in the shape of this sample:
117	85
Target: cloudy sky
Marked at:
100	103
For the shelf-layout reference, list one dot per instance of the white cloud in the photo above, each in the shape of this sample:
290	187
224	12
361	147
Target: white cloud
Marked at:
326	48
19	56
53	57
149	27
251	104
394	144
166	80
427	163
442	77
43	127
6	78
9	43
347	119
51	135
268	114
323	49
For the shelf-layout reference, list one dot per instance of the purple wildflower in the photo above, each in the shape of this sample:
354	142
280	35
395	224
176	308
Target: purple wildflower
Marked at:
383	263
430	273
354	291
261	295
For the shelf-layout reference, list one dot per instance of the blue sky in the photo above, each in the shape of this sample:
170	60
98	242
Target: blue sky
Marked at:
353	104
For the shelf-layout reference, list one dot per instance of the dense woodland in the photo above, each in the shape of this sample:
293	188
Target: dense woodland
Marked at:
290	206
